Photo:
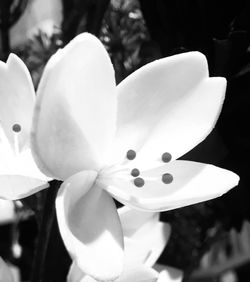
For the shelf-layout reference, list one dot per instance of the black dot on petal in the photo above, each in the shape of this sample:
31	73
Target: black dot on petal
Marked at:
167	178
139	182
166	157
16	127
135	172
131	154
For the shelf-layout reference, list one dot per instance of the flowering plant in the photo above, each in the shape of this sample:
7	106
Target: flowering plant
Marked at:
105	141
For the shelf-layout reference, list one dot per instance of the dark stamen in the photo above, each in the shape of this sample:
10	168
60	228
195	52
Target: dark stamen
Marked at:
167	178
139	182
135	172
166	157
131	154
16	127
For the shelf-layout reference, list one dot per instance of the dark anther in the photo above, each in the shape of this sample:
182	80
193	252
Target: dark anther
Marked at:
135	172
166	157
131	154
167	178
16	127
139	182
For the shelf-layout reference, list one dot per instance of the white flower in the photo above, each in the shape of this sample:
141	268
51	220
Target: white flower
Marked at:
122	141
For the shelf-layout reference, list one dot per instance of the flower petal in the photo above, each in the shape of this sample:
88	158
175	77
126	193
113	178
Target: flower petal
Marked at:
19	175
7	212
138	273
5	272
147	244
168	274
75	113
14	187
145	237
192	183
132	220
75	273
164	103
135	252
17	98
90	226
157	238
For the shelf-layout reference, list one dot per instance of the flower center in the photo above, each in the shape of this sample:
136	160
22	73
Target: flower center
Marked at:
166	178
128	170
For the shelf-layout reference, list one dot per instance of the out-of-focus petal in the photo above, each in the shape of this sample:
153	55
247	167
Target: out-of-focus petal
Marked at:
17	99
164	103
75	113
75	273
90	226
192	183
139	273
7	211
168	274
5	272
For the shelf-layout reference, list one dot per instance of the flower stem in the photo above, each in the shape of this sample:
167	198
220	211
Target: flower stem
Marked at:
44	232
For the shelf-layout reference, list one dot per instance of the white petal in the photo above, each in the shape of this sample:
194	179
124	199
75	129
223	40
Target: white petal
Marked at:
75	273
140	273
14	187
168	274
135	252
147	244
75	113
158	238
19	175
145	237
169	105
90	226
192	183
5	272
132	219
7	212
17	99
87	278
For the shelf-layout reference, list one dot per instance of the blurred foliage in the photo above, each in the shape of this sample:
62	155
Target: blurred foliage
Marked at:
37	52
10	12
123	33
134	34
